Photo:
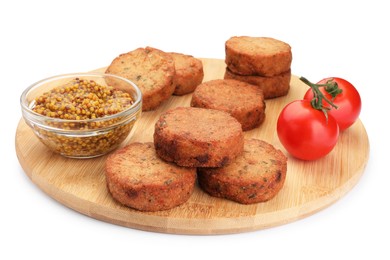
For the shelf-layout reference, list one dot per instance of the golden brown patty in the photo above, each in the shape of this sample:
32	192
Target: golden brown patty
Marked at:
255	176
243	101
189	73
138	178
152	70
198	137
261	56
272	87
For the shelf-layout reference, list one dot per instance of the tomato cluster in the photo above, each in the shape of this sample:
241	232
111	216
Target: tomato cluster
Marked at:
309	128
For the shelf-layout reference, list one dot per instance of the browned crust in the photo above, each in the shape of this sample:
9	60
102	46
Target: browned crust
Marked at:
262	56
255	176
138	178
198	137
272	87
152	70
243	101
189	73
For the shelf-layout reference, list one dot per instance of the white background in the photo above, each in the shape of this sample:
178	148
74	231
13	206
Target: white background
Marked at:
328	38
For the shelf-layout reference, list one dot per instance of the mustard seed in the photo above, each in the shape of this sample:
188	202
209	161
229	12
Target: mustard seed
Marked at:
79	97
82	100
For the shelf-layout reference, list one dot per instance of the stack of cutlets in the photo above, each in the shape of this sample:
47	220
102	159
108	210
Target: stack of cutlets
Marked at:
158	74
261	61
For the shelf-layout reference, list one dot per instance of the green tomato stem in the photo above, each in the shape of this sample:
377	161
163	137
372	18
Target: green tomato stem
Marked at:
330	86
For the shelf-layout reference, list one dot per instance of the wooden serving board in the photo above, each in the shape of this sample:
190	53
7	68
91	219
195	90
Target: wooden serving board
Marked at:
309	187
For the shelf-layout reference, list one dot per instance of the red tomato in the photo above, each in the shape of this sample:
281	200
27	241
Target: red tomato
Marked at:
305	132
348	102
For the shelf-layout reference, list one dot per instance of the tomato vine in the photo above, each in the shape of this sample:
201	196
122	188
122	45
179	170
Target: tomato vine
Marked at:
330	87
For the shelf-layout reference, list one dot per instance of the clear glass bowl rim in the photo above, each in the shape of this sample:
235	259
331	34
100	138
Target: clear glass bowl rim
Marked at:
44	120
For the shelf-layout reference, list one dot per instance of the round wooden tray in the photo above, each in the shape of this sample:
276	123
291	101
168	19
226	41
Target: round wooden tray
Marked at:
309	186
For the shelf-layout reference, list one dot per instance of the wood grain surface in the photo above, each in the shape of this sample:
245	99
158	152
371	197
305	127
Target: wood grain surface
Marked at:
310	186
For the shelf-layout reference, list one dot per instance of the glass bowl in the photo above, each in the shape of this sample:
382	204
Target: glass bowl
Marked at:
82	130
